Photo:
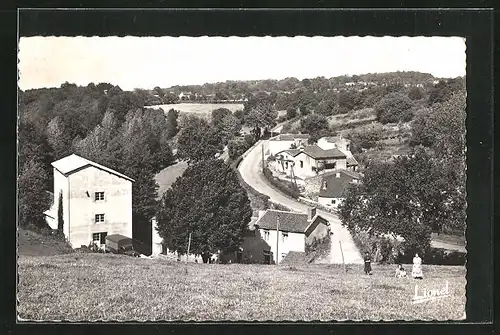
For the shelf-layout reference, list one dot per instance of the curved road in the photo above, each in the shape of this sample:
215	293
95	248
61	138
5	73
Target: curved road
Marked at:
251	171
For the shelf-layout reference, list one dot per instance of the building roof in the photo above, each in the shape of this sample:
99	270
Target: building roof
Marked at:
353	174
288	137
291	152
71	163
317	153
351	161
288	221
333	187
117	238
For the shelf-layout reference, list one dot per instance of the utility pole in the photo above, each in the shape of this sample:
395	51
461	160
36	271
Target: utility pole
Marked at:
277	237
342	253
262	151
189	246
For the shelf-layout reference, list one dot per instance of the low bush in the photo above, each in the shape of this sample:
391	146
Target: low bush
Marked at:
438	256
382	249
286	187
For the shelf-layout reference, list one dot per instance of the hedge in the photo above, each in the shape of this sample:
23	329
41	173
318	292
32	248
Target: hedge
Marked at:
285	187
387	250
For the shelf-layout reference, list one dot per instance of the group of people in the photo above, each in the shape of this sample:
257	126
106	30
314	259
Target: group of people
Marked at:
416	271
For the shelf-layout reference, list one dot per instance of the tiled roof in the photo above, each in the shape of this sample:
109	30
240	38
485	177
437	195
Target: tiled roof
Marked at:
317	153
353	174
351	161
335	187
289	137
74	162
117	237
291	152
288	221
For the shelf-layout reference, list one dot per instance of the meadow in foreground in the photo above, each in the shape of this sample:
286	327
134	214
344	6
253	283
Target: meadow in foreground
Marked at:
83	287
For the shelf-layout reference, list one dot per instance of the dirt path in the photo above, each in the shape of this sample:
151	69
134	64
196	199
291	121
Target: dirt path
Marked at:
250	170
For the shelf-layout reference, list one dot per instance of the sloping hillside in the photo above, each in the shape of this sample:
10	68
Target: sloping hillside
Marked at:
31	243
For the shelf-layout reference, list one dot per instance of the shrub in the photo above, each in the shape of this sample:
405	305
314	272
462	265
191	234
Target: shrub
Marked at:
382	249
286	187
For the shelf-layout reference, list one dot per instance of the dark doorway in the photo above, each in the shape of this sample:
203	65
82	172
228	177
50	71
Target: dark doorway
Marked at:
239	256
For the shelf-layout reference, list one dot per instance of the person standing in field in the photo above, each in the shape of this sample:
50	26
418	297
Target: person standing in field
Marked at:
416	271
368	263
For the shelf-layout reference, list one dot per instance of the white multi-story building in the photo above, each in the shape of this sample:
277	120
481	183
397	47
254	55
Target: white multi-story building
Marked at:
96	201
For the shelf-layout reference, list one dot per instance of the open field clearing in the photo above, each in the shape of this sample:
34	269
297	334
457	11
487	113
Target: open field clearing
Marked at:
113	287
200	109
168	176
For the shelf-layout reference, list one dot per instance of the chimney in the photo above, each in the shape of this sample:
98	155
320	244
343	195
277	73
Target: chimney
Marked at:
301	147
337	175
311	213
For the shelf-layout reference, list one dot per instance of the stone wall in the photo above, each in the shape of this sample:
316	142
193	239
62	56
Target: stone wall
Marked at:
312	187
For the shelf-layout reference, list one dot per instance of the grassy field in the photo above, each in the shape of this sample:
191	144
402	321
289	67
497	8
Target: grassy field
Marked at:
31	243
167	176
200	109
113	287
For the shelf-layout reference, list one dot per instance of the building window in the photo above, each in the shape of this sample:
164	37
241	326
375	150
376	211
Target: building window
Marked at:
99	218
99	196
301	164
286	165
266	235
99	238
284	237
333	201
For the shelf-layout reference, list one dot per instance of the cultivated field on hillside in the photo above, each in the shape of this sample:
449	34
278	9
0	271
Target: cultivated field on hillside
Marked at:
198	109
168	176
114	287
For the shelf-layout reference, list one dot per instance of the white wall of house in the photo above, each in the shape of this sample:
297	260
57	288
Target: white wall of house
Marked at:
276	146
157	246
304	165
82	207
292	242
342	144
60	187
319	232
330	202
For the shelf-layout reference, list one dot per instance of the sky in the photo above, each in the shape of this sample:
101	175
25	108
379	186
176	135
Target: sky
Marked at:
147	62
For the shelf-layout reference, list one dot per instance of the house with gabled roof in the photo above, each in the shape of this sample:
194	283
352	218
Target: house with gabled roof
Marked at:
288	231
96	201
344	145
285	141
309	161
333	187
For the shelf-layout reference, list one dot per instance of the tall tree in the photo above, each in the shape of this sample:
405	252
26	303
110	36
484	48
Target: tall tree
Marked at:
394	108
315	125
172	126
263	115
198	140
60	217
208	202
410	197
33	200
